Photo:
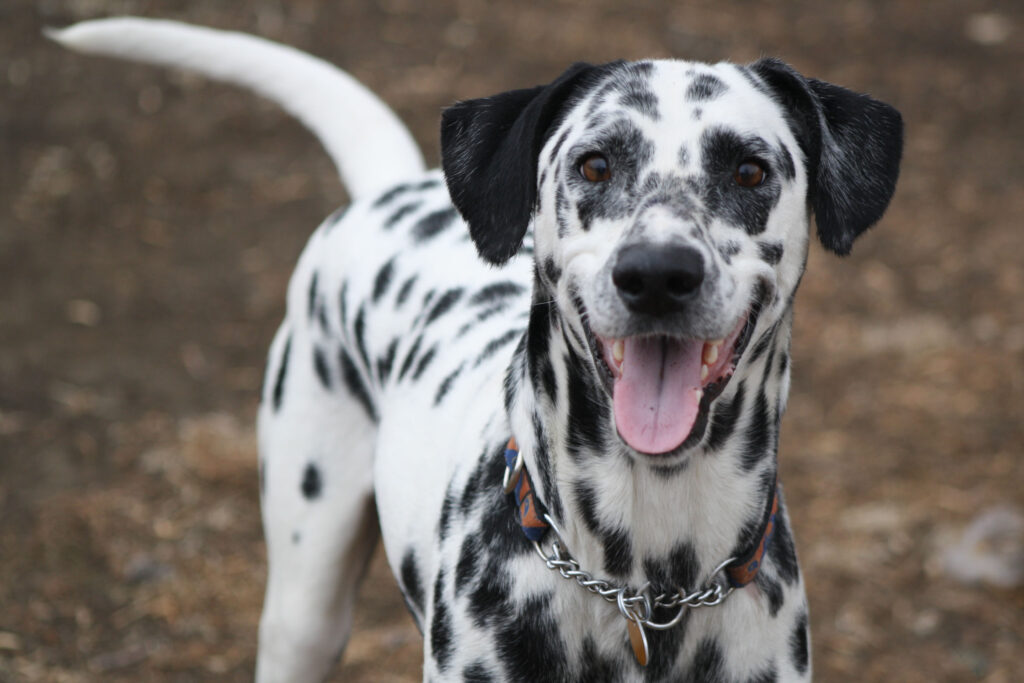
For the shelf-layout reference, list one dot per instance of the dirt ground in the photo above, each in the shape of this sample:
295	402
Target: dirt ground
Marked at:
149	221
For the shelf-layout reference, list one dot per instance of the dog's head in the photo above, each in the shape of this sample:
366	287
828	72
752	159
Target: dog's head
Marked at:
670	204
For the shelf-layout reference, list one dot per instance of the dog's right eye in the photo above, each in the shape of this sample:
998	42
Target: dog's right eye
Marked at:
595	168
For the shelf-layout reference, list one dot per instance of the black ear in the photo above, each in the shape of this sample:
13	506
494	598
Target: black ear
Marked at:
489	150
853	145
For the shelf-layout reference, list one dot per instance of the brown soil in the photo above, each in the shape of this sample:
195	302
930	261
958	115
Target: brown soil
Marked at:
150	221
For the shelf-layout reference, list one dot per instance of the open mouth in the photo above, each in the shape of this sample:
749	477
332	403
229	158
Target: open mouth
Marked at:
662	386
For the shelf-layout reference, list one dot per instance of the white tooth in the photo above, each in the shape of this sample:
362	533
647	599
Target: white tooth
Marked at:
618	350
711	353
703	372
700	393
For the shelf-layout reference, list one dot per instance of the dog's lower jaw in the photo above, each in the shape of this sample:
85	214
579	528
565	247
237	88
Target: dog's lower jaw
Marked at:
635	518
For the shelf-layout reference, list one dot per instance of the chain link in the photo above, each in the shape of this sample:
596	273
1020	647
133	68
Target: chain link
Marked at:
634	605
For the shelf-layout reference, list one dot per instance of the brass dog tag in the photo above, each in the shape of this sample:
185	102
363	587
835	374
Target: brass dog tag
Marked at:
638	639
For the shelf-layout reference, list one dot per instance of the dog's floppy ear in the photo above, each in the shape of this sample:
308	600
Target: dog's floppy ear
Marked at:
489	150
853	145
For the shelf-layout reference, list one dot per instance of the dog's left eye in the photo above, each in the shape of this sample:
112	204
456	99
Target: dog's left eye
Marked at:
749	174
595	168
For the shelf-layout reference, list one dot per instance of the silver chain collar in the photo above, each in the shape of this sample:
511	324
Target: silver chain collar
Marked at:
636	606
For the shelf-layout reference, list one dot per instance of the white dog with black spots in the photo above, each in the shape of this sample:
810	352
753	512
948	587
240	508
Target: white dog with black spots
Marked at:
605	272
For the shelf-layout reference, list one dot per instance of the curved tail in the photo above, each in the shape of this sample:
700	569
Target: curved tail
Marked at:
368	143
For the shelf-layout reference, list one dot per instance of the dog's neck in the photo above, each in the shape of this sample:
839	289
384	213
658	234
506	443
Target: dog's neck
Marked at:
665	520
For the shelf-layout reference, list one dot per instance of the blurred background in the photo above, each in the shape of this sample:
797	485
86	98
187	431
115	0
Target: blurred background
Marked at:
149	221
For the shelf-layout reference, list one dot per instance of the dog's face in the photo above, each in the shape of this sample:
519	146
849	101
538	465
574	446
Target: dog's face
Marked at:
670	203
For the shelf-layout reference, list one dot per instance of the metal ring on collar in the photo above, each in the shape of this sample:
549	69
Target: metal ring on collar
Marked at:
511	476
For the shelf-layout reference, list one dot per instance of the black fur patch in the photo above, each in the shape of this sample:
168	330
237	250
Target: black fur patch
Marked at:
530	646
400	213
446	384
799	646
441	627
383	280
724	419
411	583
466	567
311	296
444	304
354	382
705	87
771	252
757	443
410	357
385	362
320	366
359	329
405	290
587	417
433	224
477	673
495	345
312	482
282	372
677	570
722	151
424	363
772	591
783	552
496	292
618	549
391	194
708	664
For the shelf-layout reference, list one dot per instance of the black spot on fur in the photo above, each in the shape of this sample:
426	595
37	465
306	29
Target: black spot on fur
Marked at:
343	305
465	568
772	591
444	304
412	585
705	87
446	385
385	362
771	252
400	213
311	296
490	596
354	382
558	145
783	552
676	570
424	363
410	357
495	345
799	646
383	280
530	645
477	673
769	675
758	433
496	292
643	101
708	664
312	482
618	549
320	366
282	372
594	667
441	627
723	420
391	194
405	290
433	224
722	151
444	520
359	329
587	416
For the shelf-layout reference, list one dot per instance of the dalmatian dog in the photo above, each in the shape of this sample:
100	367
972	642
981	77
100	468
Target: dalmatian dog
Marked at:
591	307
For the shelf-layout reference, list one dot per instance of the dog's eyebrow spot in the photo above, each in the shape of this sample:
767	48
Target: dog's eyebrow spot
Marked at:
312	482
705	87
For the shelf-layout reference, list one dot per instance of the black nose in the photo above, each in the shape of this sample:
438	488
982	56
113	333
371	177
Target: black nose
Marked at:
657	279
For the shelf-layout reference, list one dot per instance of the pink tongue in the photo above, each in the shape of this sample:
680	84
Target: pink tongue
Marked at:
656	399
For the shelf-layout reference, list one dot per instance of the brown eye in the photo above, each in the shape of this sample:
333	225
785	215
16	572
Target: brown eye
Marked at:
595	168
749	174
